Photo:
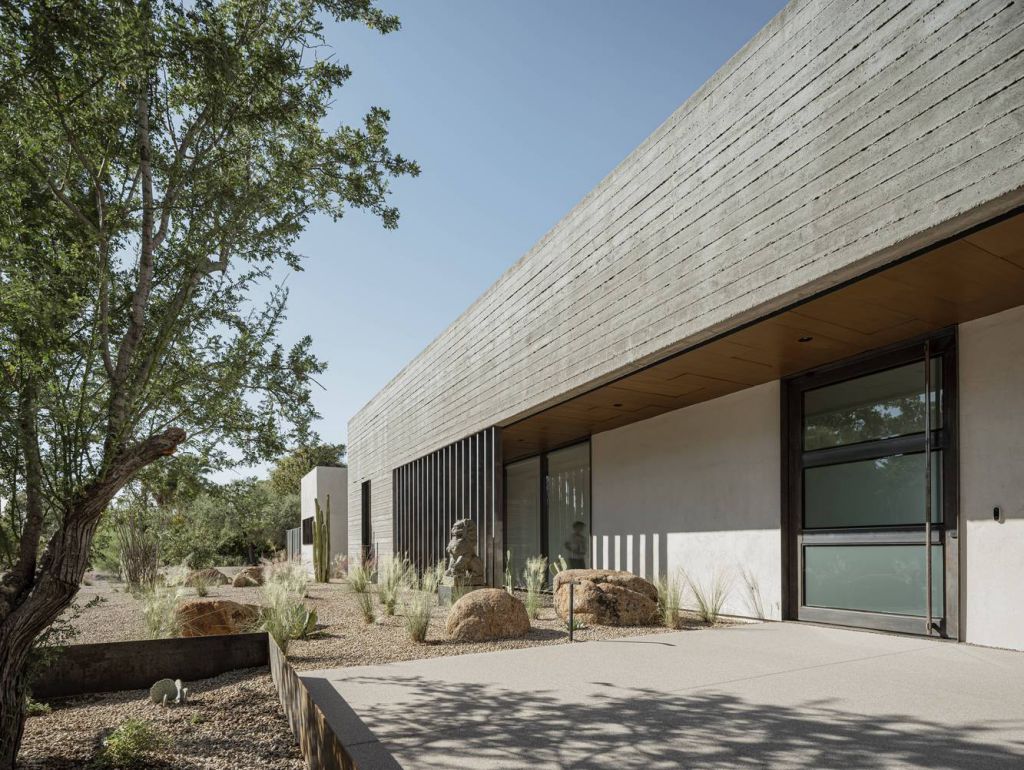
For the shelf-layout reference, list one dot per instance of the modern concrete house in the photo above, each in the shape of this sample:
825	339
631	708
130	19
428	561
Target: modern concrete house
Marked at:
735	354
319	484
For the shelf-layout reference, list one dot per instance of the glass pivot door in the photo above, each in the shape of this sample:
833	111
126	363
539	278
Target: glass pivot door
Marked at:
863	499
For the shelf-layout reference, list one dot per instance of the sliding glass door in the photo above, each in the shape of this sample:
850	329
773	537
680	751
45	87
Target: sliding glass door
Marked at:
547	508
567	490
522	512
864	501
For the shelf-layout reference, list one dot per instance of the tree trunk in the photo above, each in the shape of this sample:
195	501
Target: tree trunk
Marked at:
33	608
12	705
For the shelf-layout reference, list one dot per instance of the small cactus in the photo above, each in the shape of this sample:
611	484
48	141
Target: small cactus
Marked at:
558	565
322	542
168	692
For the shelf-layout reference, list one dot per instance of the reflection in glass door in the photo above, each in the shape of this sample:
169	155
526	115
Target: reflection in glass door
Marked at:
547	508
522	511
567	490
859	490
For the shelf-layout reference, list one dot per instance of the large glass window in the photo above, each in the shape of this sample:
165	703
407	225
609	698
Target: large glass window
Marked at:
568	498
864	477
872	578
876	406
522	496
885	491
547	508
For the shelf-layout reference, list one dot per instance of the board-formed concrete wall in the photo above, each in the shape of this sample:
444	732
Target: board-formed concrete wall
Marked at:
991	360
696	490
842	136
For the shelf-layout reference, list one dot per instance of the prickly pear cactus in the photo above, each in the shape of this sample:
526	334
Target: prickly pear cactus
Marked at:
163	692
168	692
322	542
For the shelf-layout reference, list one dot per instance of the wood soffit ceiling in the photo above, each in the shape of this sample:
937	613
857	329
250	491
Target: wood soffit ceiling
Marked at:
974	276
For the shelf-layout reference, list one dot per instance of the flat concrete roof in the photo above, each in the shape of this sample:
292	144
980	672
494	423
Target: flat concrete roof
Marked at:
776	694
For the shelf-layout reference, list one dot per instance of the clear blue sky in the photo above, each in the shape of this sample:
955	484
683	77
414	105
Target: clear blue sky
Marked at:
514	110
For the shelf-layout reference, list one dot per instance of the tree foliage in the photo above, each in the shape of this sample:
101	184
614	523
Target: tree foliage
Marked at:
239	522
286	475
160	159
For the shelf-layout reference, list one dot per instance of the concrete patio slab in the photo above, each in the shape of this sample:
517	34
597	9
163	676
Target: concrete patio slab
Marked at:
765	695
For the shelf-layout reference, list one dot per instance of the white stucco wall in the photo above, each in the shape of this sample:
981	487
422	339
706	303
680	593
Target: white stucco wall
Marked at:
697	489
319	483
991	361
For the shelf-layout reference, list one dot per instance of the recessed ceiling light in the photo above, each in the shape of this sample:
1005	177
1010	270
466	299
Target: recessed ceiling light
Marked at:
805	339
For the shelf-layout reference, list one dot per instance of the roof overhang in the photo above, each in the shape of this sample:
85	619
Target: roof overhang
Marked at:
976	274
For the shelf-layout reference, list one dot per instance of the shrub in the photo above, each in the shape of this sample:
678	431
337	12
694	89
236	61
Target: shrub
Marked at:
34	708
417	608
534	575
175	575
129	744
577	624
160	612
284	616
293	578
394	575
138	549
754	598
339	566
201	583
710	598
432	578
669	599
365	600
361	576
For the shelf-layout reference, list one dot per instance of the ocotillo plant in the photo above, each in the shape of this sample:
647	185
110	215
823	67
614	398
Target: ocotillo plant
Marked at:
322	542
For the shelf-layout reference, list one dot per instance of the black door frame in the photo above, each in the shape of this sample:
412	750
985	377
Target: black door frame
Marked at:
945	438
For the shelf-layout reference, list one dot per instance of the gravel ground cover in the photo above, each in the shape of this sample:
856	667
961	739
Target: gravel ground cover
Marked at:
231	721
235	719
346	640
118	618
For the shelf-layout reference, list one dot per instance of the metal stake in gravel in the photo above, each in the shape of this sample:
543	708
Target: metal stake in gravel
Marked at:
572	605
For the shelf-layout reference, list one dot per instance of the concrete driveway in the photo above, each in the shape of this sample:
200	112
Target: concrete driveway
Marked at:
767	695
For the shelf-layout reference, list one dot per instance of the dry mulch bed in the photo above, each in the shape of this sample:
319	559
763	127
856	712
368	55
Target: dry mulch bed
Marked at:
233	720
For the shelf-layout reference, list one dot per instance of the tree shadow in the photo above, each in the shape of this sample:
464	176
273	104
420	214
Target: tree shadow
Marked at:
432	723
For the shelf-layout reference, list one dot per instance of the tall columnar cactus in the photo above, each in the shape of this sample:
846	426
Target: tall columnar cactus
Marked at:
322	542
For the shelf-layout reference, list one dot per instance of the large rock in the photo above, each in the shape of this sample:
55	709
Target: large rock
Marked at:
606	597
486	614
212	617
248	577
211	576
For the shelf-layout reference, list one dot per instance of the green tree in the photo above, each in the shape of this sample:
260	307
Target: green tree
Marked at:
240	521
287	473
160	159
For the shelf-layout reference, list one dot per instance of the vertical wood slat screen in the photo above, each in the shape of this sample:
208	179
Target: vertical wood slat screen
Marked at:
459	481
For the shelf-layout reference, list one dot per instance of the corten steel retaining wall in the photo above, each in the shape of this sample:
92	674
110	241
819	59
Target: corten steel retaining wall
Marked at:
843	136
321	746
115	666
